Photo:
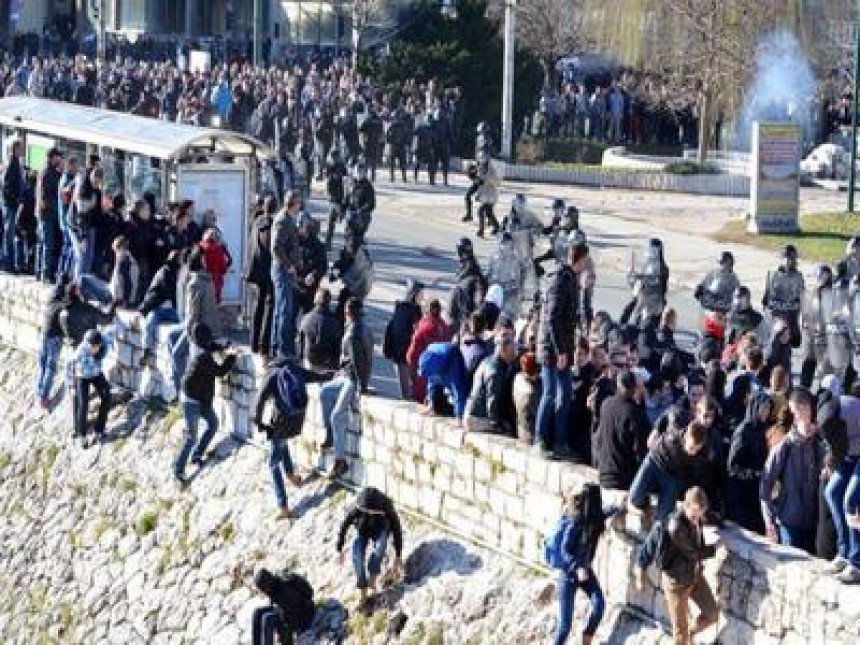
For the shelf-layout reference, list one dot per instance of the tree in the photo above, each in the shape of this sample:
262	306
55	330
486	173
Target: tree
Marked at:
549	29
714	50
363	12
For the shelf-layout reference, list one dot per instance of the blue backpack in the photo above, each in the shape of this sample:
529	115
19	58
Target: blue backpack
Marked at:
292	395
552	544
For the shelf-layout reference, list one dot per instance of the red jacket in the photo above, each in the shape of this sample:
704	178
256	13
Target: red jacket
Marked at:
217	263
431	329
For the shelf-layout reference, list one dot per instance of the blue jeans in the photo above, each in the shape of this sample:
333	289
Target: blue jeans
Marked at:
66	263
335	400
49	355
154	318
834	494
94	288
852	506
283	319
279	457
83	257
10	224
265	623
797	538
554	409
46	252
373	564
650	478
567	588
193	411
177	347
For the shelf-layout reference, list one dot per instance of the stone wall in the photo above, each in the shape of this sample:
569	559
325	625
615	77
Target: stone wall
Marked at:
494	491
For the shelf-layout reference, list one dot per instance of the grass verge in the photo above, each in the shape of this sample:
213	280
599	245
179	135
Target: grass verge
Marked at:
822	236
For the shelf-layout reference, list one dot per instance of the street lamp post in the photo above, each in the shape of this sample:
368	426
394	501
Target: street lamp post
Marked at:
256	33
508	78
852	171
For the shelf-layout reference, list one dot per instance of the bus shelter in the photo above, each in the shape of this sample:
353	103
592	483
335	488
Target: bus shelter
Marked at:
216	169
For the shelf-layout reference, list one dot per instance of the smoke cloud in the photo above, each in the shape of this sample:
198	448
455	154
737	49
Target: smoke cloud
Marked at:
782	90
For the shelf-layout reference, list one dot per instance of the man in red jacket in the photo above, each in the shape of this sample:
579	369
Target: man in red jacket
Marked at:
431	329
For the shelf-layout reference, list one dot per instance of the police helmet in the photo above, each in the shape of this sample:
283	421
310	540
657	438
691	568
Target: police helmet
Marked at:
558	204
741	299
726	258
823	275
482	127
464	247
789	251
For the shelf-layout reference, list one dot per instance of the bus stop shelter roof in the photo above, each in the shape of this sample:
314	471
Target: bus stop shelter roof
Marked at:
133	134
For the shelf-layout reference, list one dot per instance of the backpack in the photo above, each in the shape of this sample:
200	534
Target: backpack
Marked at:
296	601
291	396
552	544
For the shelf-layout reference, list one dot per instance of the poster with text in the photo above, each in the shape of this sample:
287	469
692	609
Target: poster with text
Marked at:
775	178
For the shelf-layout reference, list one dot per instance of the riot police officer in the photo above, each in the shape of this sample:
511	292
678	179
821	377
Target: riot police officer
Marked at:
335	172
649	283
816	311
395	138
488	195
423	147
442	138
507	270
360	204
347	133
742	318
523	225
715	291
849	267
370	137
783	296
322	125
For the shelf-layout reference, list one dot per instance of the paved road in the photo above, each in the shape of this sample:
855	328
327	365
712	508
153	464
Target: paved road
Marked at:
414	234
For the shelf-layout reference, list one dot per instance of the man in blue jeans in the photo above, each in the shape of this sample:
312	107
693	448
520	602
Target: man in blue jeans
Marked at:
65	206
285	261
375	520
14	185
664	468
560	320
52	346
159	304
47	207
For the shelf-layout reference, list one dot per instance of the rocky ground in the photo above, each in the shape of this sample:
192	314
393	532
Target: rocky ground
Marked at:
98	546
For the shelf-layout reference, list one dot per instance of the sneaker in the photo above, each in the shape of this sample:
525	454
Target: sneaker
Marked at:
338	469
836	565
295	479
466	218
182	483
849	576
81	440
44	403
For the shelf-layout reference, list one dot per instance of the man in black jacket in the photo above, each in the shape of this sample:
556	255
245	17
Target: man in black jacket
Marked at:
312	265
339	397
682	576
198	390
335	172
284	379
490	407
375	519
260	275
622	433
14	186
560	318
319	335
47	208
398	335
159	305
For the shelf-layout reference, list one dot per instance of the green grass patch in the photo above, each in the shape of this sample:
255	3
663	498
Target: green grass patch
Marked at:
473	450
5	459
227	531
127	485
496	468
380	622
174	414
146	523
822	236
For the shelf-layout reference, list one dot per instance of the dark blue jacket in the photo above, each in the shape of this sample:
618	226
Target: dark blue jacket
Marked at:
576	552
443	363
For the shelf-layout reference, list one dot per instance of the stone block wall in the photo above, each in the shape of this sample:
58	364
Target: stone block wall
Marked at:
492	490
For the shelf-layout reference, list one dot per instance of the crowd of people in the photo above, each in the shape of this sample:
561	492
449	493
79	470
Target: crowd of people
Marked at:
522	350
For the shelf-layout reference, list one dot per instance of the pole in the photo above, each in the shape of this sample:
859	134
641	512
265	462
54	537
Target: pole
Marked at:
852	171
102	28
256	33
508	79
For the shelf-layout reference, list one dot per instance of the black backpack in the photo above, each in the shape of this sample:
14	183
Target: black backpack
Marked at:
296	600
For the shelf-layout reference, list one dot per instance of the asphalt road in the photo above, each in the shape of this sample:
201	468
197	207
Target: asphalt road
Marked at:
414	235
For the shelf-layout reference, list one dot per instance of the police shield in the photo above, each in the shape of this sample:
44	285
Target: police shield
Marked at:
524	249
784	295
839	346
814	327
645	281
718	290
506	270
